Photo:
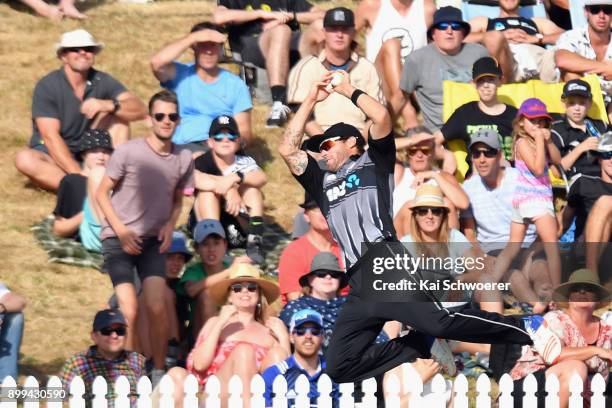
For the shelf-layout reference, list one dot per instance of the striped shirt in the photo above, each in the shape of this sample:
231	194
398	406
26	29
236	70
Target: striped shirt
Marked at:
357	199
90	364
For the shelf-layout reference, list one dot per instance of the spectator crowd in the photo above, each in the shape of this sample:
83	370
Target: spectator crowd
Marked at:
534	179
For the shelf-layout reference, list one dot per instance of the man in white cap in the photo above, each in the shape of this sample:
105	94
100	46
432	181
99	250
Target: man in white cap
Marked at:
68	101
587	49
205	90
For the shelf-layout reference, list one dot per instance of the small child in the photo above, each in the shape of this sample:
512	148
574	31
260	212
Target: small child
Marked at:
533	199
231	182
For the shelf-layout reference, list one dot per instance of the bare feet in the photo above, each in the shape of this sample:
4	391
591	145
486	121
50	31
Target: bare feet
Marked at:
71	11
53	13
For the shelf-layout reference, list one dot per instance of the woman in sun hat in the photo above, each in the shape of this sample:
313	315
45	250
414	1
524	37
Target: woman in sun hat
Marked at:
241	340
586	339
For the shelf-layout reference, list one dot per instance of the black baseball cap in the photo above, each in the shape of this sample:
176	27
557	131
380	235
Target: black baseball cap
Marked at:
223	122
94	139
577	87
309	201
108	317
341	130
339	17
486	66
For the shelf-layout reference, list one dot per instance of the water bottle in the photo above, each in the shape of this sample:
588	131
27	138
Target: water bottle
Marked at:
591	129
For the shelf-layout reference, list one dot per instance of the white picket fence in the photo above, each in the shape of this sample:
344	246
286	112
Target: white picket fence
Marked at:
435	398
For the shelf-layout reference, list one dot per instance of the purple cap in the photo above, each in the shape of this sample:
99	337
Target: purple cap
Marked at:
533	108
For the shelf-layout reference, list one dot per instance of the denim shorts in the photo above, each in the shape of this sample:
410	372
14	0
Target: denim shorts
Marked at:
120	265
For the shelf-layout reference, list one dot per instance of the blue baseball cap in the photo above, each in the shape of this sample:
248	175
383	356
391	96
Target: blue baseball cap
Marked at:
179	245
207	227
305	316
108	317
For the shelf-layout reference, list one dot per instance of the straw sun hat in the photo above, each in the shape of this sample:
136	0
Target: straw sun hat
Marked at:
428	195
244	272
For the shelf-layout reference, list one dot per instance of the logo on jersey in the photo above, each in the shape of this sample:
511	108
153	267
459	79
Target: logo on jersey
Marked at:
352	181
499	26
335	192
406	42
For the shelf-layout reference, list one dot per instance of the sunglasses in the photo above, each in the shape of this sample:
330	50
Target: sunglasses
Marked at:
423	149
315	331
323	274
423	211
161	116
90	49
582	288
220	136
599	8
605	156
107	331
328	144
453	25
237	287
488	153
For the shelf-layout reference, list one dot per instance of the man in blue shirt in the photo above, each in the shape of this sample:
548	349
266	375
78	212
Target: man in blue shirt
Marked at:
307	337
205	90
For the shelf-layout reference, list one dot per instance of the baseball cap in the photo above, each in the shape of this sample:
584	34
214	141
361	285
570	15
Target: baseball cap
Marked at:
533	108
179	245
605	143
77	38
489	137
95	138
107	317
221	123
577	87
305	316
339	17
309	201
341	129
448	14
207	227
486	66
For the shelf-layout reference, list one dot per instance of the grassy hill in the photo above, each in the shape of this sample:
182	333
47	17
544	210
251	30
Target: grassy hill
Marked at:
63	299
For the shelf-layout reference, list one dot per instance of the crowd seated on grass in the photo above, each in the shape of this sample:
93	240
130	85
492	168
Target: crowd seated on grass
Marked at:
11	330
216	314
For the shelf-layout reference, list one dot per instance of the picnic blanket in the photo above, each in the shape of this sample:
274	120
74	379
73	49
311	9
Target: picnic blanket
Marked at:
71	252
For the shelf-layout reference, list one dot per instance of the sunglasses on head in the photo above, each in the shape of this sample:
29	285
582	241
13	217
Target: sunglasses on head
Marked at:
329	143
107	331
324	273
315	331
453	25
423	211
161	116
596	9
90	49
250	286
488	153
220	136
426	150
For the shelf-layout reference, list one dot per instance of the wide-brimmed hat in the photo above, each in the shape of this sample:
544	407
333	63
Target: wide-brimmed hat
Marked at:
428	195
581	277
448	14
325	261
244	272
77	38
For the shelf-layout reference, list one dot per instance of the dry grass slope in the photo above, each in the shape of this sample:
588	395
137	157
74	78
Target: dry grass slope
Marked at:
63	299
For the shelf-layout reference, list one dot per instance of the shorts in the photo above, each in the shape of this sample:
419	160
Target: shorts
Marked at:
532	61
120	265
43	149
519	261
530	211
251	52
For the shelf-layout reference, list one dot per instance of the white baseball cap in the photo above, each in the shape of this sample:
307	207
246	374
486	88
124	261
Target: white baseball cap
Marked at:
597	2
77	38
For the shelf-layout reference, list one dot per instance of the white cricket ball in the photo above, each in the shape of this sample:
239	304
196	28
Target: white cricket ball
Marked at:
336	79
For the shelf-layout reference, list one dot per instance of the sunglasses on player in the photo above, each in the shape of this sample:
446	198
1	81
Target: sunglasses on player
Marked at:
161	116
220	136
250	286
329	143
488	153
423	211
315	331
107	331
